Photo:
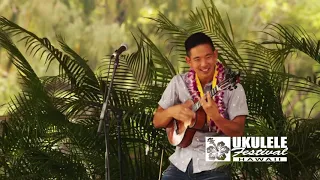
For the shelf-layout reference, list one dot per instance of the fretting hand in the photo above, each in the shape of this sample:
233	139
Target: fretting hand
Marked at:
209	106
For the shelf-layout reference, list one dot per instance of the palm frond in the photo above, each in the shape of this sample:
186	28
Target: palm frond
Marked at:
206	20
163	66
291	38
258	58
175	35
75	69
19	61
84	73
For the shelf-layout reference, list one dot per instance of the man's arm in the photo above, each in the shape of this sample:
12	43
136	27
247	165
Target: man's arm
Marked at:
231	128
182	112
162	117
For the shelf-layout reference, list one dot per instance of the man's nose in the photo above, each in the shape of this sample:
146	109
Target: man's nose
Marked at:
203	63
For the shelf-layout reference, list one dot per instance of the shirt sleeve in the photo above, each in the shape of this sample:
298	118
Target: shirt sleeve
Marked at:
237	104
170	95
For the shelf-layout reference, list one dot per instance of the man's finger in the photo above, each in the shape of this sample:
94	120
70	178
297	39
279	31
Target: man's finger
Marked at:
203	100
188	112
188	103
185	117
209	98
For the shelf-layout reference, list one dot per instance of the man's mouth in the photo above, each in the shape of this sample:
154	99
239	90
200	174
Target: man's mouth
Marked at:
205	70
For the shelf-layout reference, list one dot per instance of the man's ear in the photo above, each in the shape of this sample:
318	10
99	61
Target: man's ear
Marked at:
215	53
188	60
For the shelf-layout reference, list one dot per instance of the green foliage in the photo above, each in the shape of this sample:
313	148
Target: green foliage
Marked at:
51	133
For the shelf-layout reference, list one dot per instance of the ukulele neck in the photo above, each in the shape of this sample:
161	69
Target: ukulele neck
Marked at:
197	105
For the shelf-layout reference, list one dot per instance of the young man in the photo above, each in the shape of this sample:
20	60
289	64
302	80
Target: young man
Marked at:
226	112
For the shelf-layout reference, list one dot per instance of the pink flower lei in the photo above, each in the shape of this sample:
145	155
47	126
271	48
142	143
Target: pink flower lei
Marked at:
195	94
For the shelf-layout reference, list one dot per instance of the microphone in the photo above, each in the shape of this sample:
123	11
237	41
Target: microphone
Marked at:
121	49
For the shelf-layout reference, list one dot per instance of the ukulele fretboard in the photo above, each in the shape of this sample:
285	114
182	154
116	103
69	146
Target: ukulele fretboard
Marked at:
197	105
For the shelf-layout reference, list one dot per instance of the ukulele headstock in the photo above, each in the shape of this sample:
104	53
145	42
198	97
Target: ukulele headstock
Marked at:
231	80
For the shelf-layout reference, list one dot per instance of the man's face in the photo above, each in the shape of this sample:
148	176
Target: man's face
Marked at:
202	60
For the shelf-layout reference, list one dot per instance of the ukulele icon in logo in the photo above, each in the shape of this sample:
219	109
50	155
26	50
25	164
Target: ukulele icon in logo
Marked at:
216	151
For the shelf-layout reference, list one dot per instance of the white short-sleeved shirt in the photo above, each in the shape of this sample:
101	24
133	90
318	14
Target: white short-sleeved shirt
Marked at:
177	93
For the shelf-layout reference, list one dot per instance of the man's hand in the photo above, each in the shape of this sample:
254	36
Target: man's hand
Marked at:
183	112
209	106
232	128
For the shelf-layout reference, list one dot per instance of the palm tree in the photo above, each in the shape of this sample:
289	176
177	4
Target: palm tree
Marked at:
53	121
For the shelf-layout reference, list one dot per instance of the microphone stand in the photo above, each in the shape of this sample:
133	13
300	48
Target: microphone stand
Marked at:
119	117
104	122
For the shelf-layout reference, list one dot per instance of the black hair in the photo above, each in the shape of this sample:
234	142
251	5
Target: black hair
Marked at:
197	39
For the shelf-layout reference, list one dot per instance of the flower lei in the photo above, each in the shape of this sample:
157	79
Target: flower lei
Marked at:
191	81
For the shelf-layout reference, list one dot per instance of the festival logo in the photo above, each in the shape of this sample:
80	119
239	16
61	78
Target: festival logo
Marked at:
246	149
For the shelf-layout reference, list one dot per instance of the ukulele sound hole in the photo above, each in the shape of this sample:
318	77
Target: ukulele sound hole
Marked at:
176	127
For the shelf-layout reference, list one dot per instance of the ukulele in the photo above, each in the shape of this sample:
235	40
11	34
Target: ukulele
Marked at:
181	133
